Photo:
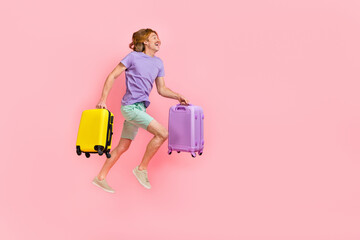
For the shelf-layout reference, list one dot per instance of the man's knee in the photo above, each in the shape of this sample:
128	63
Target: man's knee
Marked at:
166	135
163	134
158	130
123	147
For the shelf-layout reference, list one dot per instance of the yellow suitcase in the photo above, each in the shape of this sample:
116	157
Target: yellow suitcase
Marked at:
95	132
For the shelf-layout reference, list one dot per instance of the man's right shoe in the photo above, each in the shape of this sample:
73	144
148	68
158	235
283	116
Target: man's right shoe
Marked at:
103	184
142	177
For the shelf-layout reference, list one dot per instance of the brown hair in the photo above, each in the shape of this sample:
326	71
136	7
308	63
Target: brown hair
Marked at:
138	39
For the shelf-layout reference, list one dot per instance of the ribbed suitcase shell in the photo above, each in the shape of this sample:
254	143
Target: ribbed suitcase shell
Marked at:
186	129
95	130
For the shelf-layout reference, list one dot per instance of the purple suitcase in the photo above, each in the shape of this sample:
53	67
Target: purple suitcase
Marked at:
186	129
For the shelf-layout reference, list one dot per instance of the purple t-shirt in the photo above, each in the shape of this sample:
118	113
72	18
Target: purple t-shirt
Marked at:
141	72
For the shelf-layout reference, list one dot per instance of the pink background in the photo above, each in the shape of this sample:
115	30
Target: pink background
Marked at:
279	85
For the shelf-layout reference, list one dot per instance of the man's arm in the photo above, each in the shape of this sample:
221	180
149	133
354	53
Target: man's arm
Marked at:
110	80
168	93
109	83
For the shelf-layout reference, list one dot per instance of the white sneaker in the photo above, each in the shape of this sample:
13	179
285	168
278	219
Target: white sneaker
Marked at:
103	184
142	177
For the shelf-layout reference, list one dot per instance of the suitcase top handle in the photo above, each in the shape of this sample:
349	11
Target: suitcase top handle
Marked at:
182	107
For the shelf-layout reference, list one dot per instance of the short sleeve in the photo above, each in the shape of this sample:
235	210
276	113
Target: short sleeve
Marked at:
127	60
161	70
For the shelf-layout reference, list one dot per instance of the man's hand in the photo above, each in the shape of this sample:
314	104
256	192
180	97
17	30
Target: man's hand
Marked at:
101	105
183	100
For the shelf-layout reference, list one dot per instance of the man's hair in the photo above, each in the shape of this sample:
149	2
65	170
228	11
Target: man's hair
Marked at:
138	39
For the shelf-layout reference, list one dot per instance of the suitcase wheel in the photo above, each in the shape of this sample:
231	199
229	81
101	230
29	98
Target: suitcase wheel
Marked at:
99	149
108	155
200	153
87	155
169	152
193	155
178	151
78	151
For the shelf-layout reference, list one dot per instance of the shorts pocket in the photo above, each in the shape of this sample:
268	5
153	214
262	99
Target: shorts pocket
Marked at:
129	112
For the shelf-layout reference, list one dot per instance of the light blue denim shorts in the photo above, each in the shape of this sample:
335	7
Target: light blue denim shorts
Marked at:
135	116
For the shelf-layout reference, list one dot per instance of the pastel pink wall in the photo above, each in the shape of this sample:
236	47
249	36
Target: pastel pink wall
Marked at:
279	85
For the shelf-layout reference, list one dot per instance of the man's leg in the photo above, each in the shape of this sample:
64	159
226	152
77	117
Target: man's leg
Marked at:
122	147
160	136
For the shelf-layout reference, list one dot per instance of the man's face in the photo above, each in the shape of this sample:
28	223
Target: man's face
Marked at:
154	42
